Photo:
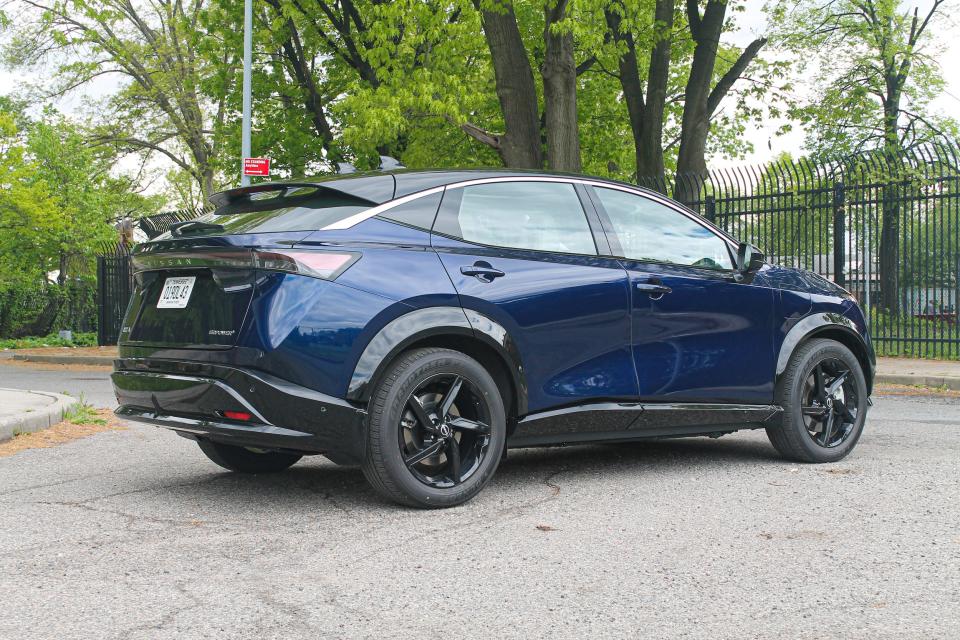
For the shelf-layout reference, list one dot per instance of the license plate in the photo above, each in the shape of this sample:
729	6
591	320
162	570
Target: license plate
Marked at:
176	292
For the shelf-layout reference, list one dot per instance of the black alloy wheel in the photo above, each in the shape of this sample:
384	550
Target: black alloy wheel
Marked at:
830	403
436	429
824	397
445	431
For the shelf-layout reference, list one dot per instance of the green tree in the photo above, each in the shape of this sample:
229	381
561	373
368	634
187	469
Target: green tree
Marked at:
163	58
877	73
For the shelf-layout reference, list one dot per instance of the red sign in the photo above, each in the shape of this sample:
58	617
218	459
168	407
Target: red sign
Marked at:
256	166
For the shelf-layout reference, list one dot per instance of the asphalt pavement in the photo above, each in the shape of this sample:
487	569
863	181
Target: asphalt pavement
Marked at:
134	534
92	384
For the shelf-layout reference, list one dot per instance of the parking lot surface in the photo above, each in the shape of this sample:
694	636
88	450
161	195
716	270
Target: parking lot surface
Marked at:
134	534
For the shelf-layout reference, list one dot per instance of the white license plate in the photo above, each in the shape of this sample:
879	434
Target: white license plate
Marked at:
176	292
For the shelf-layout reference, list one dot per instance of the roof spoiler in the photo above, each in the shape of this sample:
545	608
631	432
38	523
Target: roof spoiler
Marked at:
244	195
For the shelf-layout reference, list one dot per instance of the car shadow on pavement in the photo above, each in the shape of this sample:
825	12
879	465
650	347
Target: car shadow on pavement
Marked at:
316	482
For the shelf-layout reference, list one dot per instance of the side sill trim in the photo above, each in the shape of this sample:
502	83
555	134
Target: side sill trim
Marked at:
632	421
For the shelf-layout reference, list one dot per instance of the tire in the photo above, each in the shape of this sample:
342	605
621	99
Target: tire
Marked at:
815	428
467	436
243	460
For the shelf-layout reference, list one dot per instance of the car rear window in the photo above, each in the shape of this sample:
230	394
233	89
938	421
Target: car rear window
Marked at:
304	209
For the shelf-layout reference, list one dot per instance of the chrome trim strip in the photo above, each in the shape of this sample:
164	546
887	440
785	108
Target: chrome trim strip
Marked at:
355	219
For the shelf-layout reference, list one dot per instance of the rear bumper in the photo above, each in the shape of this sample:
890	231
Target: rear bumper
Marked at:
191	398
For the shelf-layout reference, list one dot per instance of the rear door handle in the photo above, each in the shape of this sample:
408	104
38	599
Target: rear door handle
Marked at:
653	288
481	271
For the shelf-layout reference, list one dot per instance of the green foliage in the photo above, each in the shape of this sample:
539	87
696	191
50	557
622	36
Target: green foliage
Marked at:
41	308
875	68
59	199
80	339
83	413
937	339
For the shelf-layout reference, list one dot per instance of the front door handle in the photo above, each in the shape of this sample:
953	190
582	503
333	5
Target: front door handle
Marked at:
653	288
481	271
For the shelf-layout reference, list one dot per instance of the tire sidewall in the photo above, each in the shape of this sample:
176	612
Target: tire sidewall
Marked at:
792	402
385	426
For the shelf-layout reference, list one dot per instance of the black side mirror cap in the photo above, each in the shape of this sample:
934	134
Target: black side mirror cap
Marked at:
749	258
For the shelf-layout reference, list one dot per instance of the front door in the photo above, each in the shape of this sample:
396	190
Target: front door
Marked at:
698	335
524	254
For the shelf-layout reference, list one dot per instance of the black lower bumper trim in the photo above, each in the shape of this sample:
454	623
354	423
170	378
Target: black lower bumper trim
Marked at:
193	401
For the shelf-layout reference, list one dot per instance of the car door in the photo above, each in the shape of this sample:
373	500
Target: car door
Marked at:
523	253
699	334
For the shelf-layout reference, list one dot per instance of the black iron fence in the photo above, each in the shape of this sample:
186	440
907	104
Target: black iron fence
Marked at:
114	288
884	226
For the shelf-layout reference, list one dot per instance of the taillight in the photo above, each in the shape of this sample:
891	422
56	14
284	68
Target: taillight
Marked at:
237	415
317	264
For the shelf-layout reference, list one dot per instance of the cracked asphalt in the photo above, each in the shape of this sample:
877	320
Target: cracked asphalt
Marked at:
134	534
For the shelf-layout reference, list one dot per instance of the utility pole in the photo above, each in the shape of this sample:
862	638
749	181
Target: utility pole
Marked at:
247	71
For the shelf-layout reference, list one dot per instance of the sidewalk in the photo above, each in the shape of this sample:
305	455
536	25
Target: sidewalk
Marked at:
923	373
28	411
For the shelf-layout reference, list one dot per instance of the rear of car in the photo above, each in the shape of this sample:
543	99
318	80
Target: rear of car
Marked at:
216	341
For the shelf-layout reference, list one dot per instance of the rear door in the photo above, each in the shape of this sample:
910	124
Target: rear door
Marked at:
698	335
523	252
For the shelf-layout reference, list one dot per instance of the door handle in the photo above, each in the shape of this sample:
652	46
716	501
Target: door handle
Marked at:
655	289
481	271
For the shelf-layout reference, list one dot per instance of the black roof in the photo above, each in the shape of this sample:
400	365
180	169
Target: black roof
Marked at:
378	187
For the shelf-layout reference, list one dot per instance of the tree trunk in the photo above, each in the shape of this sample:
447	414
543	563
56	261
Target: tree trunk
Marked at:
646	115
890	224
519	146
559	73
650	143
695	124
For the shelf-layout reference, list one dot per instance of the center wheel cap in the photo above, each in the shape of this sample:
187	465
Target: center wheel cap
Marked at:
445	430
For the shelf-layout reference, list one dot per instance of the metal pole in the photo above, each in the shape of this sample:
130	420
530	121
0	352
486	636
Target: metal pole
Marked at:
247	64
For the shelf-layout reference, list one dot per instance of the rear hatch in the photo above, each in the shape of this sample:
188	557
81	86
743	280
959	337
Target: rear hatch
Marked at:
194	285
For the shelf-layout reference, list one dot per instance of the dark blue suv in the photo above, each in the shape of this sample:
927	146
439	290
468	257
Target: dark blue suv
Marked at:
420	323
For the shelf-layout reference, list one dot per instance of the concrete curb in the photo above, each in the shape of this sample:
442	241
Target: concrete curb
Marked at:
39	419
106	361
919	380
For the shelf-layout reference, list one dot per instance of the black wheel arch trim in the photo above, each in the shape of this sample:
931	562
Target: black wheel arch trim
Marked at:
819	324
429	322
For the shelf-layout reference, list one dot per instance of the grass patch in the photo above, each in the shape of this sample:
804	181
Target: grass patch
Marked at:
84	413
912	337
53	340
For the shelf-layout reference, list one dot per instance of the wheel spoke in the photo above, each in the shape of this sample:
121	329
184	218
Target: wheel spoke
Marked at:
424	453
447	403
814	412
818	381
827	429
421	414
463	424
453	452
844	411
837	383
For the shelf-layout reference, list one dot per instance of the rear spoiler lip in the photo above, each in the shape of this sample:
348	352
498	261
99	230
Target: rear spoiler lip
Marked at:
241	194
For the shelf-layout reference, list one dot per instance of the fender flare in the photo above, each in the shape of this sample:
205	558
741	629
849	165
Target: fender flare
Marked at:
816	323
421	324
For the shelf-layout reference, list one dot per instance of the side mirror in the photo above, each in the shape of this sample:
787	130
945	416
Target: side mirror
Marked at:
749	258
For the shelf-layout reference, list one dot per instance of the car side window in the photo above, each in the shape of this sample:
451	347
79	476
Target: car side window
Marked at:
543	216
648	230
